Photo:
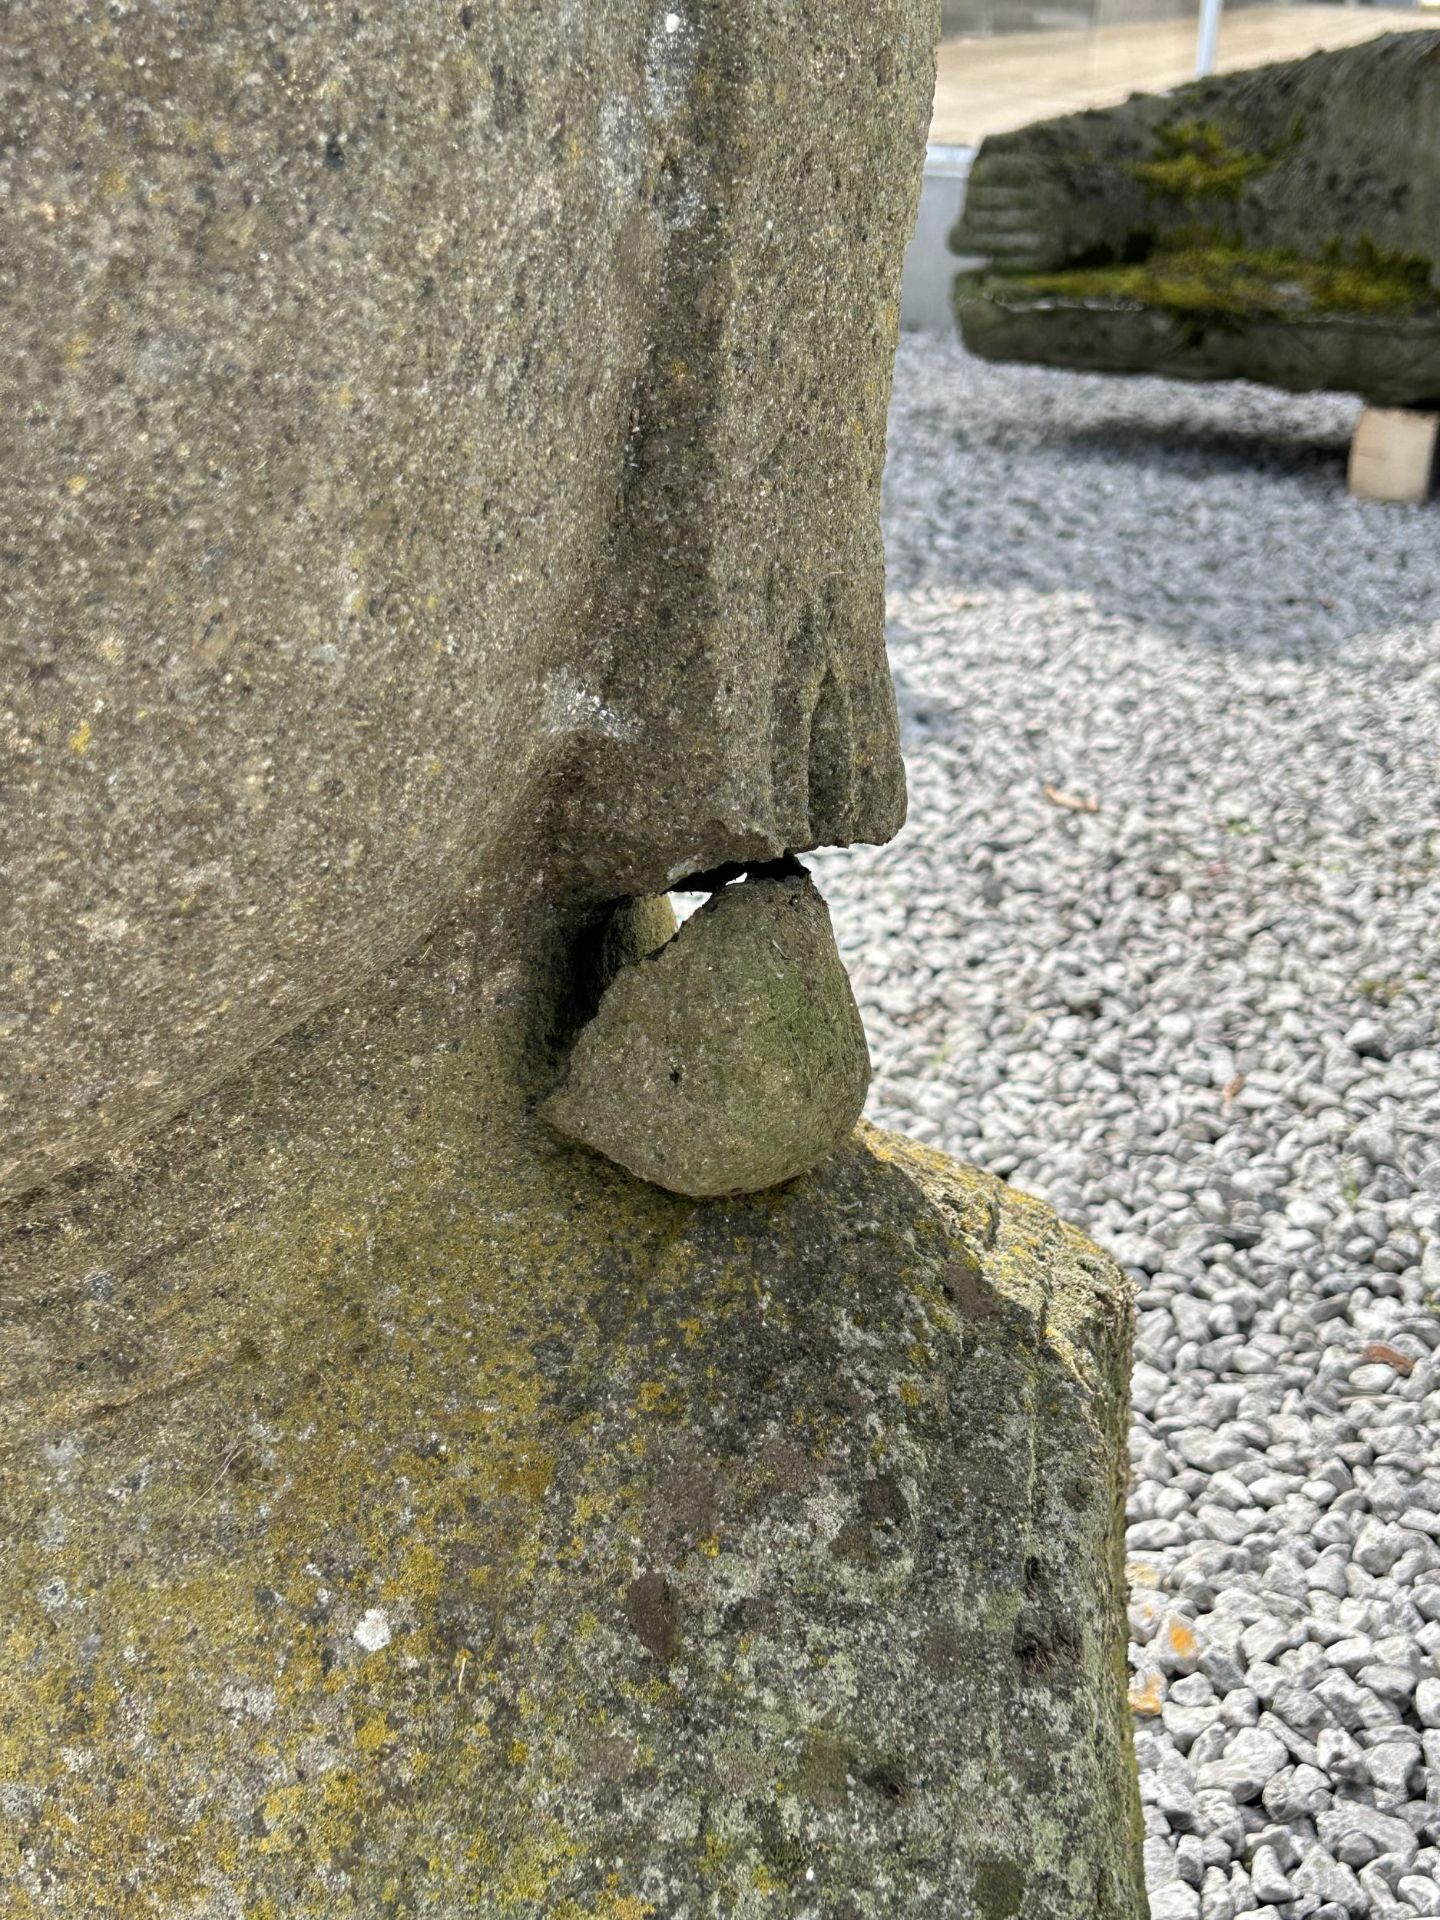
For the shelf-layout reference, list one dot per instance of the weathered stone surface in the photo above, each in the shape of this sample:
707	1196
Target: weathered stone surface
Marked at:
444	444
1281	225
732	1058
407	1514
444	496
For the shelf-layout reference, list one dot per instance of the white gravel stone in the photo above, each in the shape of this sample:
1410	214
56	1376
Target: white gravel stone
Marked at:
1269	1879
1358	1834
1201	1020
1320	1878
1173	1900
1251	1757
1216	1901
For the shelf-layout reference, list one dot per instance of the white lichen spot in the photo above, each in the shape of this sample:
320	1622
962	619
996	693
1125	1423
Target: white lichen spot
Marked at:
570	708
669	64
61	1453
256	1702
683	208
53	1594
621	149
372	1630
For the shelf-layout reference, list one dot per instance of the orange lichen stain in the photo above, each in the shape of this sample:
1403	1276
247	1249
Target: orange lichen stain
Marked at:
1181	1638
1147	1696
81	737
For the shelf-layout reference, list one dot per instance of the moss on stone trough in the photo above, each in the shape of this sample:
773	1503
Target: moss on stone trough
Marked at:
1193	161
1274	225
1205	274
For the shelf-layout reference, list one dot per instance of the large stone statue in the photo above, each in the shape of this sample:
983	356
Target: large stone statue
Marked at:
1281	225
440	516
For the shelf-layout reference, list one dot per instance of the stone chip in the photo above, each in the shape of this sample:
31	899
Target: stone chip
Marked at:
731	1059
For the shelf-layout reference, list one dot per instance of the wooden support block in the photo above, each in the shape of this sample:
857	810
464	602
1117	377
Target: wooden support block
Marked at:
1392	455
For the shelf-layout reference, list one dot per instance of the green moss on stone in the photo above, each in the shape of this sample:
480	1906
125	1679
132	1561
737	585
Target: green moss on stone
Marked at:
1213	276
1194	162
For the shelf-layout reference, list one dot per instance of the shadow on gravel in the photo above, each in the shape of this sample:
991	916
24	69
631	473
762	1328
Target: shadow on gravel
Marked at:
925	715
1222	541
1198	453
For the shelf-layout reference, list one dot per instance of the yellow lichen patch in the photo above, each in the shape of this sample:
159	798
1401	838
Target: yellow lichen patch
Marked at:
653	1396
528	1868
419	1577
374	1735
714	1854
529	1477
80	739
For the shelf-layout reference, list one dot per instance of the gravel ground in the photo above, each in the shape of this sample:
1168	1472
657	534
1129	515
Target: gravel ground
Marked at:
1201	1020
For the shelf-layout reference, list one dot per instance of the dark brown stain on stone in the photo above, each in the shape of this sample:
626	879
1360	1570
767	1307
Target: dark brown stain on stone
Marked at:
882	1501
653	1610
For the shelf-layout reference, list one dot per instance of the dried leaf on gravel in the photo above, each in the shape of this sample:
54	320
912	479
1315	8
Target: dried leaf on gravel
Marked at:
1075	802
1403	1363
